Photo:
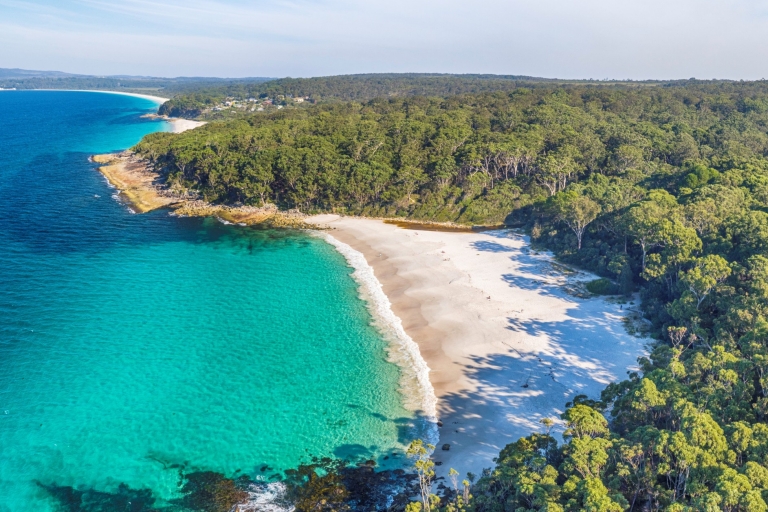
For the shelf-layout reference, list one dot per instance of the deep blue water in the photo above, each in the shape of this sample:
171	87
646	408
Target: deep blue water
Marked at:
130	344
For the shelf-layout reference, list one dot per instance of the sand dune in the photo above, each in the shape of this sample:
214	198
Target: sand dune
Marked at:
507	341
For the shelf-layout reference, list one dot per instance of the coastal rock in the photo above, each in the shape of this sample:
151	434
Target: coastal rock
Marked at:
144	187
136	181
446	447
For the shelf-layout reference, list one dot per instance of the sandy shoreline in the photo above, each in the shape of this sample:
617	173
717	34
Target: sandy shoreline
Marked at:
157	99
506	342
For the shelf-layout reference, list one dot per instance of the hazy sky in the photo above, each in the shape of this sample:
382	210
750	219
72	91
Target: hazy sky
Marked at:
552	38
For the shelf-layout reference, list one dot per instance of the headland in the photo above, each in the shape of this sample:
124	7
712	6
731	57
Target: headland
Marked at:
144	189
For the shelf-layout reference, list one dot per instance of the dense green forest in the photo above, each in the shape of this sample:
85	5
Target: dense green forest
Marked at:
661	189
350	88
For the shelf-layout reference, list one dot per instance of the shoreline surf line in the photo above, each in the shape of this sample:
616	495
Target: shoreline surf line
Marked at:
157	99
402	350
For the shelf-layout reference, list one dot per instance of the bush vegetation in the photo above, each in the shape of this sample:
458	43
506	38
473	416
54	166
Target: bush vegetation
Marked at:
603	286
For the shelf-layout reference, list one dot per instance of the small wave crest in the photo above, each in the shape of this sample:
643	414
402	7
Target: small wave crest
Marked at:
265	497
419	395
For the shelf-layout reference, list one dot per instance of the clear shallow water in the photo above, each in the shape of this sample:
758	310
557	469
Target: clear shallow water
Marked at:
130	343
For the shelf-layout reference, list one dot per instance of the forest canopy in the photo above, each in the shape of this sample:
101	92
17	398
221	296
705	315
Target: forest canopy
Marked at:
662	190
361	88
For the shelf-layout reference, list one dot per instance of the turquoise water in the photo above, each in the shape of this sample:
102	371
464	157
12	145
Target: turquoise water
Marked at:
133	343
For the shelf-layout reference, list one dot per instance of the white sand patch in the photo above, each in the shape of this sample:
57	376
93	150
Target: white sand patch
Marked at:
182	125
157	99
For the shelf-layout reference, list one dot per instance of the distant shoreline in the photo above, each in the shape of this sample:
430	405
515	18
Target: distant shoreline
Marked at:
178	125
157	99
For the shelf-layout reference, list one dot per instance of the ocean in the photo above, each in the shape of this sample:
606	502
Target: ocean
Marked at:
135	346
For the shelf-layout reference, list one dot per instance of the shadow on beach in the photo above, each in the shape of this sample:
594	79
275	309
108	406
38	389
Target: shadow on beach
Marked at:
547	364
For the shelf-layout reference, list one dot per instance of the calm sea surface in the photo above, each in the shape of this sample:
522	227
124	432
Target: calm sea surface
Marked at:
132	344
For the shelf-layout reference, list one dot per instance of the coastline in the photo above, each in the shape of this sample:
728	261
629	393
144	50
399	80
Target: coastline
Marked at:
178	125
490	335
507	333
415	386
157	99
131	178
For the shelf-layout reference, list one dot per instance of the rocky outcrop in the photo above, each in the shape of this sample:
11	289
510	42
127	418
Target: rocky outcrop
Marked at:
143	187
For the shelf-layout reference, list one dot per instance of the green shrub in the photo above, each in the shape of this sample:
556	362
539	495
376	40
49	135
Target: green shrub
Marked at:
603	286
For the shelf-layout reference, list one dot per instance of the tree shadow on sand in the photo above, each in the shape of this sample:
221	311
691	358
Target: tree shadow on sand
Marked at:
534	271
512	392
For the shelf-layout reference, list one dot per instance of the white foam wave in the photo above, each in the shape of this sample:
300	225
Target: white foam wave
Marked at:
419	395
265	497
119	199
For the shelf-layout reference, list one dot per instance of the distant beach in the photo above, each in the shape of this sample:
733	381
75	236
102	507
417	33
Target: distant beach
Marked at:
157	99
177	125
508	334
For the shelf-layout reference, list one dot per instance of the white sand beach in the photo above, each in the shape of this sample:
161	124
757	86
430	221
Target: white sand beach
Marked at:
157	99
506	343
182	125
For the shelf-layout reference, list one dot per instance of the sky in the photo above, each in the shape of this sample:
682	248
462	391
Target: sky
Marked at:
598	39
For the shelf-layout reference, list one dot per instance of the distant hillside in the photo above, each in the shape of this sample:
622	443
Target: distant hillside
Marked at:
368	86
169	87
362	87
8	73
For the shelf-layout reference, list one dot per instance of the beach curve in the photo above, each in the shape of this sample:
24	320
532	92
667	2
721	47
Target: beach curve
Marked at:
505	337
